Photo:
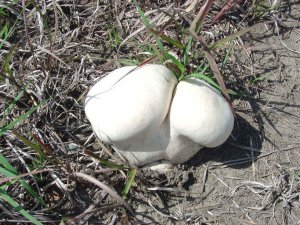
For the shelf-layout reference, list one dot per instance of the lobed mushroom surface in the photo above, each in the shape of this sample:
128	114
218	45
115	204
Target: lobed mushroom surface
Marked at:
152	119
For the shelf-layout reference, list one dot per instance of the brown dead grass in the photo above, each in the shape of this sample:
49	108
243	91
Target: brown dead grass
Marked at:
64	47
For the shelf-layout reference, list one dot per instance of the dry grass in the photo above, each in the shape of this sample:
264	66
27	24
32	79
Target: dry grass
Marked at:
60	49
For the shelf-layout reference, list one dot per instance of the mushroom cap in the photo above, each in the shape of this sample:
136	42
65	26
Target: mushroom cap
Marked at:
200	113
132	108
130	103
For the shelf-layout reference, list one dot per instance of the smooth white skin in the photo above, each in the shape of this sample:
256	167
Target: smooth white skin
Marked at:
135	112
127	109
199	116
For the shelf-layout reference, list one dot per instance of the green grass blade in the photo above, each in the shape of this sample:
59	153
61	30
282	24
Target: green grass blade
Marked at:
206	78
186	51
147	48
231	92
7	165
34	146
223	41
204	68
2	12
17	120
171	41
5	196
13	103
147	23
145	19
9	33
130	182
24	184
210	81
169	56
103	161
226	57
199	67
7	59
4	31
158	53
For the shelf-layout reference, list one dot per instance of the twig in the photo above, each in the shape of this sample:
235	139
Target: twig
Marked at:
27	35
4	180
91	210
114	194
52	54
199	19
224	10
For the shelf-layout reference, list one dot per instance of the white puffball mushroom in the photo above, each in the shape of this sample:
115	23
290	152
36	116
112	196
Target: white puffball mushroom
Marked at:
150	118
128	107
199	117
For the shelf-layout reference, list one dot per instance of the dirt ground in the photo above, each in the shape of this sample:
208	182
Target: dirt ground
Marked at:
254	178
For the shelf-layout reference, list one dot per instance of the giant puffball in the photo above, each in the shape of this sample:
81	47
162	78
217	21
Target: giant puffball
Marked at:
150	118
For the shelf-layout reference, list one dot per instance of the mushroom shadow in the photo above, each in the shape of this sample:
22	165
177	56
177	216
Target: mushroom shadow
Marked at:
241	149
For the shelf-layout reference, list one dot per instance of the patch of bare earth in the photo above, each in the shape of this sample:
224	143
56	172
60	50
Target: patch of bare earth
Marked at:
254	178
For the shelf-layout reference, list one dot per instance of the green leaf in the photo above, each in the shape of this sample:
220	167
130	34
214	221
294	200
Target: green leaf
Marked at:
168	39
130	182
5	196
201	76
169	56
158	53
206	78
7	165
186	51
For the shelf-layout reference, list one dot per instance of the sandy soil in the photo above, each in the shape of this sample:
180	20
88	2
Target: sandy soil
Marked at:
254	178
251	178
